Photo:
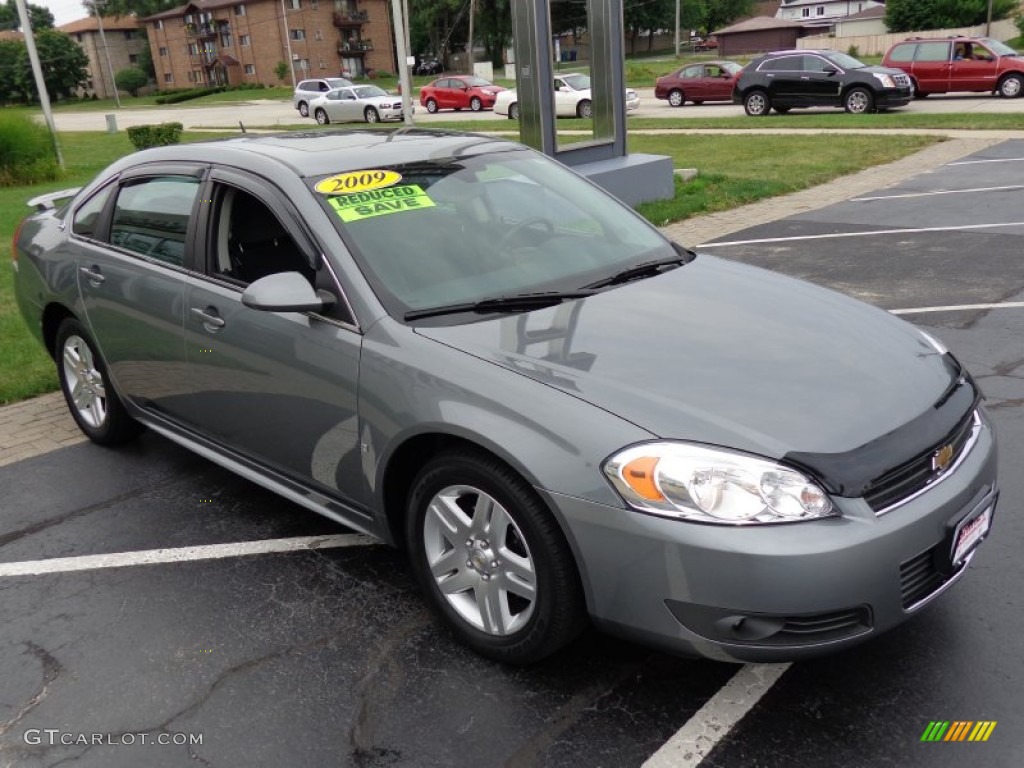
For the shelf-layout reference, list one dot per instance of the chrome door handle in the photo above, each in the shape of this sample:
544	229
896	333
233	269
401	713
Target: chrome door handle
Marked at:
208	317
93	275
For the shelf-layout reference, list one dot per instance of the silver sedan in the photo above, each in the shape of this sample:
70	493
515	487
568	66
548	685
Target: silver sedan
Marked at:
366	103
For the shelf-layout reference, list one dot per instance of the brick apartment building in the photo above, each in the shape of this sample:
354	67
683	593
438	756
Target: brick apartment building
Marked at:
125	42
228	42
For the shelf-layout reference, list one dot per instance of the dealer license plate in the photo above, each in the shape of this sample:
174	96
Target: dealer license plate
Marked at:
969	534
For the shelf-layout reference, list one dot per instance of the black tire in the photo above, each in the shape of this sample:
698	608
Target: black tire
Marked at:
513	111
1011	86
859	101
321	116
475	104
676	98
585	109
81	371
757	103
431	106
304	109
555	614
371	115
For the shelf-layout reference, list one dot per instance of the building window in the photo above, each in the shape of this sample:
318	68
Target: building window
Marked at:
243	40
133	58
158	24
250	69
168	78
129	34
295	4
163	51
323	64
187	19
239	10
78	37
821	10
807	12
225	40
198	75
301	64
297	34
193	49
314	5
317	34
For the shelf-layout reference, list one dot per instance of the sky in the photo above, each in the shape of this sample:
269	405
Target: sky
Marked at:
63	10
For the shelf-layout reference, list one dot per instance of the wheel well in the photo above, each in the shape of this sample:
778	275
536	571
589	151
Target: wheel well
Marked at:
53	316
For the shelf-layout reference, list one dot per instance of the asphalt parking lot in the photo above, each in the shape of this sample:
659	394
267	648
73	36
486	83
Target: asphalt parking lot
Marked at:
323	654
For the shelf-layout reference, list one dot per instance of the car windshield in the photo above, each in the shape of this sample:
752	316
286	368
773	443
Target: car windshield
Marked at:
338	82
369	91
475	82
1001	49
577	82
465	229
845	61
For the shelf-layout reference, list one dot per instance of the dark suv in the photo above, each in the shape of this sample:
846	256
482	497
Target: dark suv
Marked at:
959	64
785	80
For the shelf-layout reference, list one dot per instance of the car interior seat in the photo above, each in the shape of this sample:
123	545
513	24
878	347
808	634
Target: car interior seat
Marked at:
258	245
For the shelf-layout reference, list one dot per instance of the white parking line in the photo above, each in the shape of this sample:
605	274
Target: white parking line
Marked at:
938	192
870	233
999	160
712	722
182	554
959	308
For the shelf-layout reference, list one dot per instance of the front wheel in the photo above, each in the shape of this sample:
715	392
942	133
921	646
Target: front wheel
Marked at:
492	560
321	117
304	109
757	104
431	106
513	111
87	388
585	109
475	104
1010	87
371	115
858	101
676	98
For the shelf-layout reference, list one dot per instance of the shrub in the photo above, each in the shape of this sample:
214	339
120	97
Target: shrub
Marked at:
144	136
173	97
131	79
853	50
26	151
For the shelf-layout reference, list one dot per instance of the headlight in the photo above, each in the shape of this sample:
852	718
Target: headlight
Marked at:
885	80
711	485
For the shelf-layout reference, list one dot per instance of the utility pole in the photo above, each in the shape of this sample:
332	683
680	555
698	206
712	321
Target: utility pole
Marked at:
403	61
97	8
288	42
469	45
37	72
677	28
988	20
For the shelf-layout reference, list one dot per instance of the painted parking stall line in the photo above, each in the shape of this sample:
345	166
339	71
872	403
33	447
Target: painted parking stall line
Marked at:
996	160
183	554
866	233
908	195
958	308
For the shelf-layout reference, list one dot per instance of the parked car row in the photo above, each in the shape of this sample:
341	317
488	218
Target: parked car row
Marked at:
572	98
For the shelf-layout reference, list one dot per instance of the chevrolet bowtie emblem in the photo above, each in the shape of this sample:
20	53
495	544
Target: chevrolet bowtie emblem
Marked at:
942	458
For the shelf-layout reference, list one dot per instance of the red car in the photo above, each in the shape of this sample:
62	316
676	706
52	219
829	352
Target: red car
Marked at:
461	92
949	64
706	81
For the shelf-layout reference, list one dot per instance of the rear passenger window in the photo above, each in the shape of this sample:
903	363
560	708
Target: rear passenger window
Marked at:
783	64
151	217
932	52
902	53
88	215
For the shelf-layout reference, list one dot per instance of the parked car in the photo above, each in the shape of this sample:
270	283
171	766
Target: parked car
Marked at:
959	64
307	90
459	92
697	83
705	44
786	80
572	98
366	103
457	345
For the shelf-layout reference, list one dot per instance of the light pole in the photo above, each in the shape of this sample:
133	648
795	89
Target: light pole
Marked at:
988	20
37	72
97	8
288	42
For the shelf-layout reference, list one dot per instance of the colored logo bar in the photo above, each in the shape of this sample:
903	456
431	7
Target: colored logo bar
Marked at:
958	730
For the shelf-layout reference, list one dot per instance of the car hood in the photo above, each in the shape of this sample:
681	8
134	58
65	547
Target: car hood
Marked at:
882	70
726	354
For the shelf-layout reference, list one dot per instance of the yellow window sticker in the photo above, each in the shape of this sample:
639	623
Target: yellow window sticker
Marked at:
357	181
379	202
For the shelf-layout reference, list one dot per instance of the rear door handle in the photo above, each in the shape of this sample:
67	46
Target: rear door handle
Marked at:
93	275
209	318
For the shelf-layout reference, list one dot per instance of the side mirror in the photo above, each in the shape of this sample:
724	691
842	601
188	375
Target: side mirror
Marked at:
831	71
285	292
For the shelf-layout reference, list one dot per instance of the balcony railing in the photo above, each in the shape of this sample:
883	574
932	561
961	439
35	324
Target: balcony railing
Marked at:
350	18
206	29
357	47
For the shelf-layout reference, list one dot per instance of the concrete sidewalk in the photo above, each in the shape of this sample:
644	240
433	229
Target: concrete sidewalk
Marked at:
42	424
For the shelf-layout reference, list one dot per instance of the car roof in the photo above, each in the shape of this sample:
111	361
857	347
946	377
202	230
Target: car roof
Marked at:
315	153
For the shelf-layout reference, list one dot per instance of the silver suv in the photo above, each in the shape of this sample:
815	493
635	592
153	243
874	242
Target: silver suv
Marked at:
307	90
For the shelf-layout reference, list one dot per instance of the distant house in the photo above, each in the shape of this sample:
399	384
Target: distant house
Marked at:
868	22
823	13
125	42
757	35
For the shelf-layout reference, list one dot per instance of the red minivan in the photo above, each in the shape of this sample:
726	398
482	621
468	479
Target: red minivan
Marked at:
941	65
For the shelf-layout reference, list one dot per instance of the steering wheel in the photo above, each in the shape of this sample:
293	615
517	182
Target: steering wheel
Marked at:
525	223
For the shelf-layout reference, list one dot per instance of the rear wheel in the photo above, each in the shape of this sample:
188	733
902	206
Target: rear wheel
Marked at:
858	101
87	388
1010	87
756	103
491	559
321	117
676	98
431	106
304	109
371	115
475	104
513	111
585	109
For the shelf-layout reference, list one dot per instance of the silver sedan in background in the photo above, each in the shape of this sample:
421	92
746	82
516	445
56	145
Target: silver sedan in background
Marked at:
366	103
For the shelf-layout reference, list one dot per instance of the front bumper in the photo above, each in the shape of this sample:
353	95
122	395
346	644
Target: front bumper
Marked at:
632	103
894	97
775	592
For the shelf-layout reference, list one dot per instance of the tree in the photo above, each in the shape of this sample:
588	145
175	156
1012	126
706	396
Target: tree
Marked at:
39	17
720	13
64	63
140	8
917	15
10	55
131	79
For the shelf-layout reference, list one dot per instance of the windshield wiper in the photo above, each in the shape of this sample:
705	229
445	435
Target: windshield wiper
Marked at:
514	302
637	271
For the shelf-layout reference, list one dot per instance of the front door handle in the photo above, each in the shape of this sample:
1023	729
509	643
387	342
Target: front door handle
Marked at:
93	275
209	318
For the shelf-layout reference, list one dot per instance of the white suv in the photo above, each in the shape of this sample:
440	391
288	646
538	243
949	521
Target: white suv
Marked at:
307	90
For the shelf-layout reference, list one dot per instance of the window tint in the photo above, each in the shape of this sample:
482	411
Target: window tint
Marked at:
932	52
151	217
694	71
816	64
87	216
783	64
902	53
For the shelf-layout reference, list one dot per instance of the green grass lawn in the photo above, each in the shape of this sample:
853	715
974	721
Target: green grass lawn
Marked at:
733	170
